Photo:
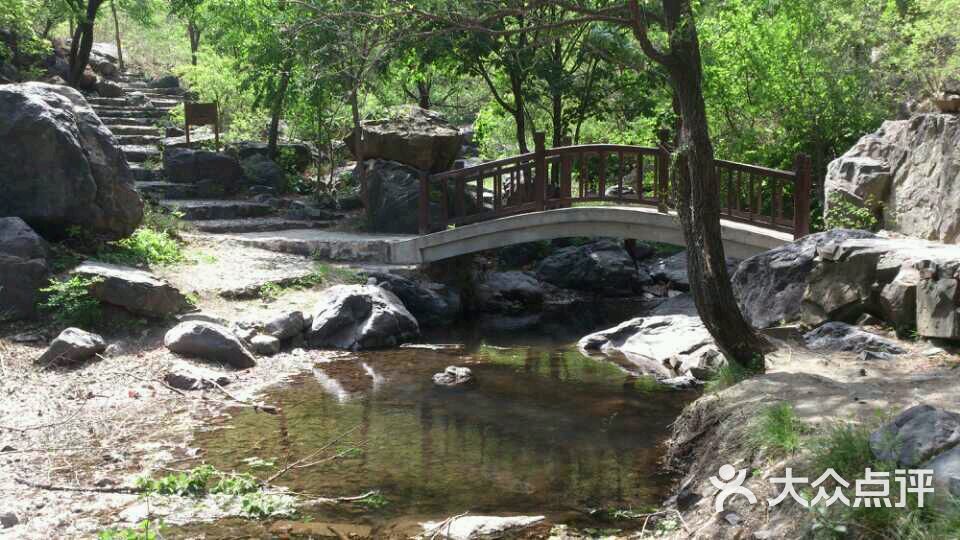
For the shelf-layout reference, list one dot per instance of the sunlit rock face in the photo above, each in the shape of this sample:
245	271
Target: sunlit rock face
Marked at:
908	172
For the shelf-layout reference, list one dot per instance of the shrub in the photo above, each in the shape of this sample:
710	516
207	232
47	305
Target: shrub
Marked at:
187	483
70	302
843	214
726	376
145	246
779	429
144	530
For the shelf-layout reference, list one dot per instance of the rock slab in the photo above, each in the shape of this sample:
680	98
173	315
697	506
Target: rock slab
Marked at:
601	266
24	269
72	346
208	341
135	290
413	136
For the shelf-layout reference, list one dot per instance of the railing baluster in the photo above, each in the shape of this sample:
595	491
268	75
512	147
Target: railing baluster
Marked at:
480	178
638	179
620	175
730	192
497	190
777	209
583	175
751	201
445	203
602	188
739	191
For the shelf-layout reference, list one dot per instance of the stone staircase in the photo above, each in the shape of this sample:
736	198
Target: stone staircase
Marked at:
135	120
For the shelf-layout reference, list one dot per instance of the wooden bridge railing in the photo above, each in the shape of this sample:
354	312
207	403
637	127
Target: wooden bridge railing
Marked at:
605	173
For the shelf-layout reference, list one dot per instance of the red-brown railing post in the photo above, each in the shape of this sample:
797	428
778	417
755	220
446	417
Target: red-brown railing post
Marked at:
424	202
663	169
540	177
459	191
566	170
803	169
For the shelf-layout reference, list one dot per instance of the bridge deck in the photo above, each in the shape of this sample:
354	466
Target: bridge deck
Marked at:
741	240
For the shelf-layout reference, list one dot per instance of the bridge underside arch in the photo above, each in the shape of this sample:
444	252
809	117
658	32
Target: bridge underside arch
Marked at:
740	240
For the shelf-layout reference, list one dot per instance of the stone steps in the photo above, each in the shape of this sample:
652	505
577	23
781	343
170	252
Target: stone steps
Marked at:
108	102
143	174
262	224
129	113
326	245
162	93
169	191
123	121
135	139
139	153
212	209
135	130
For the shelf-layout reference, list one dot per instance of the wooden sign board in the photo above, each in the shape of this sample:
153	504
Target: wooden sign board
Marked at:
201	114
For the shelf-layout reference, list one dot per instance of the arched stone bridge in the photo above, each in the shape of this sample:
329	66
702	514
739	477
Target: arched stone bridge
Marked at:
597	190
740	240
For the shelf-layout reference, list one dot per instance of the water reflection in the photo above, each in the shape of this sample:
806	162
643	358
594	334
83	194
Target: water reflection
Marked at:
544	429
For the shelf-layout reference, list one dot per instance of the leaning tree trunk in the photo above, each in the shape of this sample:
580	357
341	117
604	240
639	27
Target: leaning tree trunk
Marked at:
277	111
116	27
698	198
82	43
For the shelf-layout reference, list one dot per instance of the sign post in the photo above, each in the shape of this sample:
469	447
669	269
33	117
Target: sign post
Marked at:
201	114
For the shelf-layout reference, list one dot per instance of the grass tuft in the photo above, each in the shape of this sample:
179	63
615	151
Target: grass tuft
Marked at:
726	376
779	430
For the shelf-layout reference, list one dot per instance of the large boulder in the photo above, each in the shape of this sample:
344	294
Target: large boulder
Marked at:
838	336
393	197
109	89
602	266
298	154
510	292
433	304
665	345
356	317
135	290
923	437
413	136
61	167
72	346
908	283
909	172
23	268
770	285
208	341
188	165
673	270
261	171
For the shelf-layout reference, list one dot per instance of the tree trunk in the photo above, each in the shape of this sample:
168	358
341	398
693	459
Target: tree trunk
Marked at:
423	94
116	27
357	144
698	196
194	34
82	43
519	111
277	110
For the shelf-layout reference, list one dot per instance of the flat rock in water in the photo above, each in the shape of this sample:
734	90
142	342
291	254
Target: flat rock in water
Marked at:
478	527
665	345
208	341
135	290
453	376
838	336
356	317
72	346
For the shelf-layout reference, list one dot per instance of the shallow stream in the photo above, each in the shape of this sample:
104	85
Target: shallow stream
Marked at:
542	430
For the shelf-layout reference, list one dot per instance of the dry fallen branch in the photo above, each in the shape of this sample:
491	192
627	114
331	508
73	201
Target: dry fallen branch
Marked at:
301	461
90	489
